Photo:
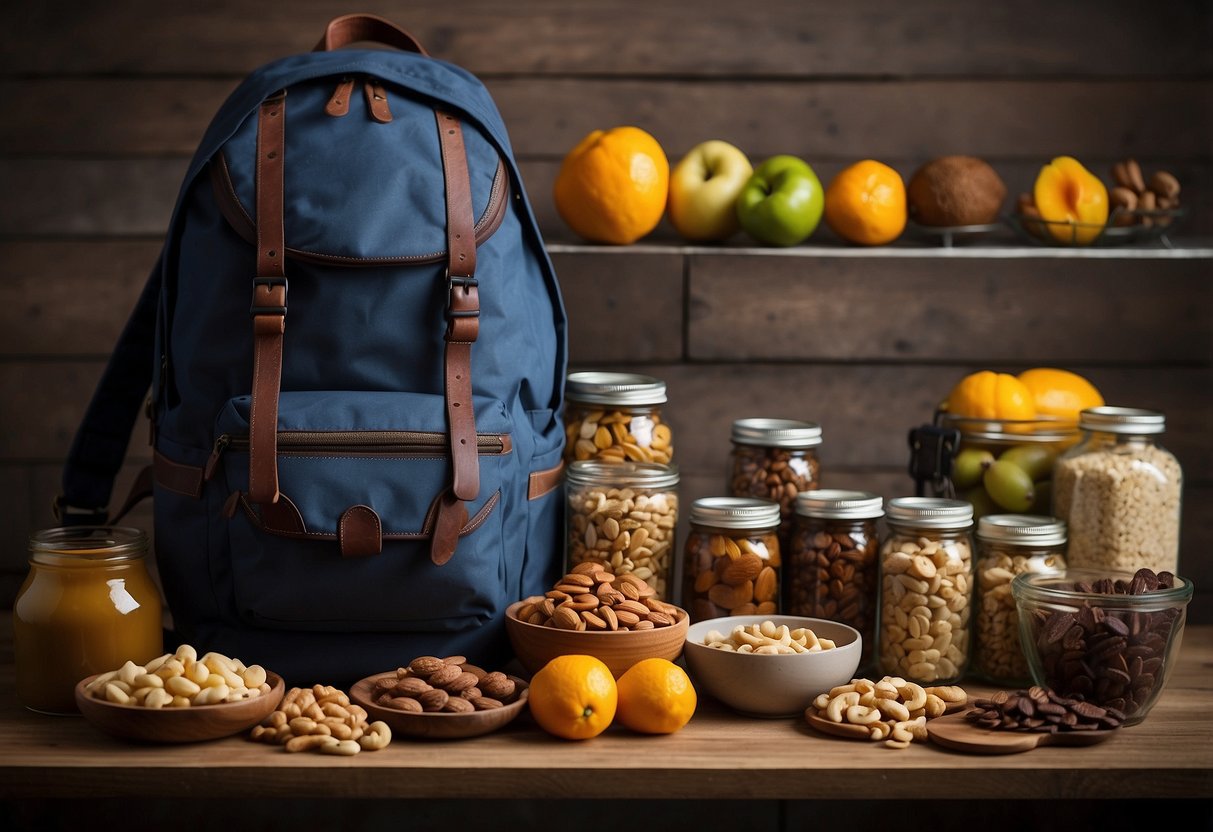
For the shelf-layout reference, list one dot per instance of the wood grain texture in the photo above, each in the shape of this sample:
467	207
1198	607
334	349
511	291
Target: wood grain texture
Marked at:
633	37
1170	755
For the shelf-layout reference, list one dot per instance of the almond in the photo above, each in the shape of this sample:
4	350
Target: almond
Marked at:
744	568
766	585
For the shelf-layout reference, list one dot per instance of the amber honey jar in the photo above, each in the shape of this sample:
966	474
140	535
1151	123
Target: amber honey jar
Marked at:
88	605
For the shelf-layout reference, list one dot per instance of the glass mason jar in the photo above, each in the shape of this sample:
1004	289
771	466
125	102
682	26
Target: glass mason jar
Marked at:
1009	545
616	417
775	459
926	590
87	606
731	562
624	515
1031	447
1119	492
831	560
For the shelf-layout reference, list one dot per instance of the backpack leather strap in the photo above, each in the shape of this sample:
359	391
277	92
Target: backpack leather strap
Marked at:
352	28
463	327
268	308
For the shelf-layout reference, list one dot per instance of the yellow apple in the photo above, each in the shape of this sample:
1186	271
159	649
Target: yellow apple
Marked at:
703	191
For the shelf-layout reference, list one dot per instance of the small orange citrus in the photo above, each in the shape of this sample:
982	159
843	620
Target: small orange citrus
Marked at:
656	697
612	187
990	395
866	203
574	697
1060	393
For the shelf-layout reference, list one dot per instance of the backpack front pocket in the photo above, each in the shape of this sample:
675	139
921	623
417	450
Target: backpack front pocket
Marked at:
377	462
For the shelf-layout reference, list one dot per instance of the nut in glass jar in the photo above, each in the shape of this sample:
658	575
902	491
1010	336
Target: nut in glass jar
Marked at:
616	417
775	459
623	515
732	558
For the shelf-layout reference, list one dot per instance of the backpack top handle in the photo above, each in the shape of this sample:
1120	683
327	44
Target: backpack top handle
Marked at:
352	28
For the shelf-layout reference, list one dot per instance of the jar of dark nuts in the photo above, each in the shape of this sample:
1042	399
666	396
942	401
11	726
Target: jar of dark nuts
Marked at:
924	633
732	559
831	569
616	417
775	459
1009	545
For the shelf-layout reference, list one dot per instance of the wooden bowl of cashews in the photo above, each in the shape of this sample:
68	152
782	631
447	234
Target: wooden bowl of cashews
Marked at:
770	665
169	699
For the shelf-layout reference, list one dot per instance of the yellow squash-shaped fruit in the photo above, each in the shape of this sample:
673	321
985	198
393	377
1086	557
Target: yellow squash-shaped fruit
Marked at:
990	395
1072	200
1060	393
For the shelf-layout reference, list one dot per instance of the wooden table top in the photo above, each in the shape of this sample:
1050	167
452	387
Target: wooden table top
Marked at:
717	755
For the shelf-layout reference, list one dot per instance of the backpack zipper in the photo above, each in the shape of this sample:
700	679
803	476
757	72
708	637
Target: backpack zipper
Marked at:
355	443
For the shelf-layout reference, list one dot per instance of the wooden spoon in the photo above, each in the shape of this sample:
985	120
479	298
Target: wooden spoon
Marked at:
956	732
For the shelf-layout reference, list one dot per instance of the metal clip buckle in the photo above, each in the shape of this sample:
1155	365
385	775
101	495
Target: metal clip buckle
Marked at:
254	309
932	449
465	282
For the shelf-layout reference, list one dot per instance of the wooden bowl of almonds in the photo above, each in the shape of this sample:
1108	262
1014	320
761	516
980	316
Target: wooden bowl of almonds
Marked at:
441	698
593	611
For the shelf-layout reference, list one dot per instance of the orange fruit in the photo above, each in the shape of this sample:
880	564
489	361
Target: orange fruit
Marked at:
1060	393
1072	200
656	697
612	187
574	697
866	203
990	395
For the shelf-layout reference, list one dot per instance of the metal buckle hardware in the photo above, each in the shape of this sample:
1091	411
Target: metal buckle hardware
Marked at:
255	309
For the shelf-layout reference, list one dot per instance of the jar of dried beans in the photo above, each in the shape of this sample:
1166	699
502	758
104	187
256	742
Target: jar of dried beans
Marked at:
616	417
831	559
1119	492
775	459
732	559
926	590
624	515
1009	545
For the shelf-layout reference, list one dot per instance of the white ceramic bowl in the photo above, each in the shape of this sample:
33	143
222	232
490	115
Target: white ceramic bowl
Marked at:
771	685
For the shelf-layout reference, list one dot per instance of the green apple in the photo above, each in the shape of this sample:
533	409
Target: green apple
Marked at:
703	191
782	203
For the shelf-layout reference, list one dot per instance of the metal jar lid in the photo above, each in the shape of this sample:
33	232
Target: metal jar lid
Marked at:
1022	529
614	388
930	512
735	513
838	504
1128	420
776	433
649	475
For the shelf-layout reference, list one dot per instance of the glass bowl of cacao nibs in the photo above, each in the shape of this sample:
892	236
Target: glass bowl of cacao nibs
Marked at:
1104	637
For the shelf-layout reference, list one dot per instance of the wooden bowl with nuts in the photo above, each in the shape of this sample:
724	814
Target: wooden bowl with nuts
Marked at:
592	611
441	698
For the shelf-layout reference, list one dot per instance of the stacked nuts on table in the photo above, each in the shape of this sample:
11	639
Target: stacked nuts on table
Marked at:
431	685
1137	198
592	597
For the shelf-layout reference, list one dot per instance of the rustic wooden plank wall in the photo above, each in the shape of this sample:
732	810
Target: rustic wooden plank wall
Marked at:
106	101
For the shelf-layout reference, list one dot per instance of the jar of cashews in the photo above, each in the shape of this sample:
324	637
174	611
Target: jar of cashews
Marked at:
616	417
926	590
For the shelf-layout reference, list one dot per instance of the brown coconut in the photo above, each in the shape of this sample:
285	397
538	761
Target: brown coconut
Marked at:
955	190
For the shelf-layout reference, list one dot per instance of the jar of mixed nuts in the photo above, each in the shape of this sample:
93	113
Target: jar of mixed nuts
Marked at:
926	590
831	561
616	417
1119	492
775	459
732	559
623	514
1009	545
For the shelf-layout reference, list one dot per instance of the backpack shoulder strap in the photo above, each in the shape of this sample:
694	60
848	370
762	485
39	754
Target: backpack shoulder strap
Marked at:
101	441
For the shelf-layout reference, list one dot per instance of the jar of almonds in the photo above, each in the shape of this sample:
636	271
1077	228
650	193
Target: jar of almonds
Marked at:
1009	545
775	459
831	562
926	590
616	417
732	559
1119	492
624	515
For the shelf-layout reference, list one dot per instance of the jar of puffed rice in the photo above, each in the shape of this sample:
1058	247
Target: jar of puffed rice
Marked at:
1119	492
926	590
1009	545
616	417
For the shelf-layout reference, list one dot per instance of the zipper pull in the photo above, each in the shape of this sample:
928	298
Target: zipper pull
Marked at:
216	452
339	104
376	101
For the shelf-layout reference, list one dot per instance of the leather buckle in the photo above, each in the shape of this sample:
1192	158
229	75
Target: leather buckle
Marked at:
465	283
256	309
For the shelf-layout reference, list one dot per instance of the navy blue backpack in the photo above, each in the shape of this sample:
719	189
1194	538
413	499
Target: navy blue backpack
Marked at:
355	345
